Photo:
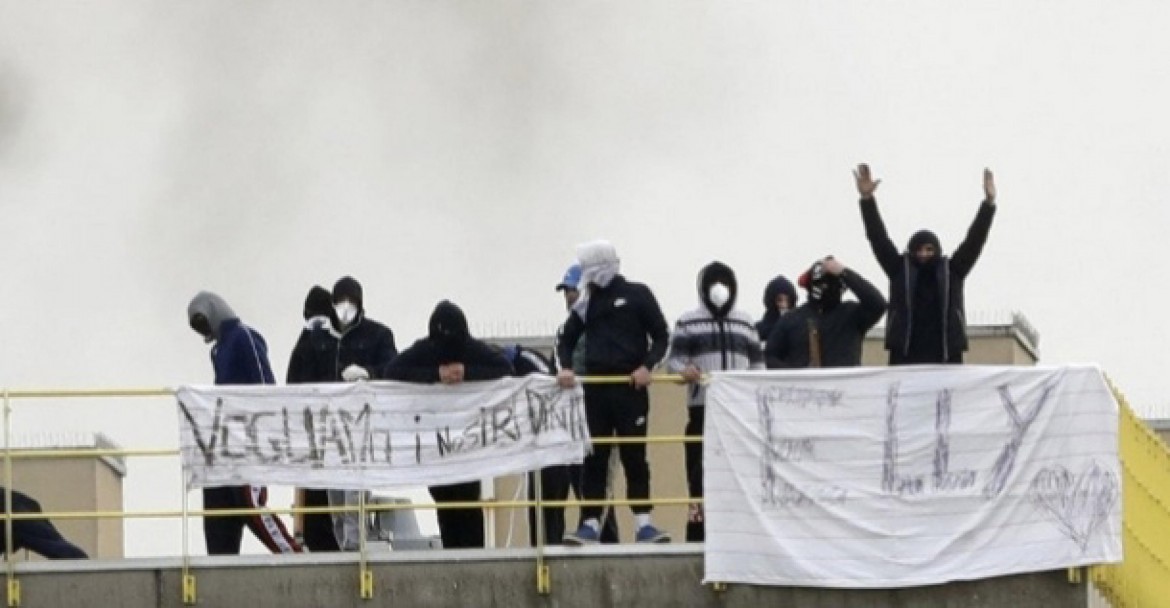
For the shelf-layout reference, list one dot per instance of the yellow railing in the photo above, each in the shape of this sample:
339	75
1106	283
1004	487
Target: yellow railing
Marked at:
1143	578
366	580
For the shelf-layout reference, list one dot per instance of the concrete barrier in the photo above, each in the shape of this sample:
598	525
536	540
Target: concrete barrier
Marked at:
587	577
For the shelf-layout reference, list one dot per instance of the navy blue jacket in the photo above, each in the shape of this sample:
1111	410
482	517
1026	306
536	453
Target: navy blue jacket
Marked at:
240	355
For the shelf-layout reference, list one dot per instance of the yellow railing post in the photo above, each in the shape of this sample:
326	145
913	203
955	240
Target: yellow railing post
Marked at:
9	558
543	579
366	577
190	597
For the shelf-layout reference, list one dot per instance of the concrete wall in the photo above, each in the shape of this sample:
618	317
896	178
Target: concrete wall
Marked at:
586	579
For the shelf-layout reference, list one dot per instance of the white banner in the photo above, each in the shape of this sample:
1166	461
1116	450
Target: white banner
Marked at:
906	476
370	435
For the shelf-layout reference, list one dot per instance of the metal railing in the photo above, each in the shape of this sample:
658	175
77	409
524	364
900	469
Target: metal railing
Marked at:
1142	579
366	579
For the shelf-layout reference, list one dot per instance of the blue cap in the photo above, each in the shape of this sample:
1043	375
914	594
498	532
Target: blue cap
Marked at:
571	279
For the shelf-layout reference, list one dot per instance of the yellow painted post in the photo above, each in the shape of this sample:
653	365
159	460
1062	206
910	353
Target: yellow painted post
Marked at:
365	576
190	597
543	578
9	558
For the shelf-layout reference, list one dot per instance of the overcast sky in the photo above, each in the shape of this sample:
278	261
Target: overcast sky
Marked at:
460	150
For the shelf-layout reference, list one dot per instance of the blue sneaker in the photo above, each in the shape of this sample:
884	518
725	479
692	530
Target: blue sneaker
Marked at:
585	535
650	534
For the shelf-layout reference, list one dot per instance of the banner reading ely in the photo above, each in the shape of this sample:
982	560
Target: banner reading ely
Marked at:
909	476
370	435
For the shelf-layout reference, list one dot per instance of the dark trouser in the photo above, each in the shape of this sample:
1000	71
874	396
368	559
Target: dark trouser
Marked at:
318	527
37	535
693	455
462	527
554	485
556	482
616	410
223	534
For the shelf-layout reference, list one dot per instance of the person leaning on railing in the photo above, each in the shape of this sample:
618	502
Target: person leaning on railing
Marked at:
626	335
450	355
362	349
569	288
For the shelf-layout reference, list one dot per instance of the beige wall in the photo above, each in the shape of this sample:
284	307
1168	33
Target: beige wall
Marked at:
76	484
998	345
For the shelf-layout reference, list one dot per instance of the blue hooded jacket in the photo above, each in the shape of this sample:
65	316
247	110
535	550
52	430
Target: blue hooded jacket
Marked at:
240	354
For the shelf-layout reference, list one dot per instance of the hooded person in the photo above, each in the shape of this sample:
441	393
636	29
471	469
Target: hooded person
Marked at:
317	333
351	348
927	320
364	346
306	366
449	355
239	356
715	336
827	330
779	299
626	335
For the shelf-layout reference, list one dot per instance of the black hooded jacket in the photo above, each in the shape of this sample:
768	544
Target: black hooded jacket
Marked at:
365	342
448	341
775	287
841	329
304	364
908	290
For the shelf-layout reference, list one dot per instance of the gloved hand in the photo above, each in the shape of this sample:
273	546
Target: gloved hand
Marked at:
355	372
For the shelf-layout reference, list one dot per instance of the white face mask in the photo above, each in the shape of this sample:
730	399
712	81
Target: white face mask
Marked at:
719	294
346	312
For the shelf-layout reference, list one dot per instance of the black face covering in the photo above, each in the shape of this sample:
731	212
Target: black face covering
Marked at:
824	289
319	303
200	324
448	331
920	238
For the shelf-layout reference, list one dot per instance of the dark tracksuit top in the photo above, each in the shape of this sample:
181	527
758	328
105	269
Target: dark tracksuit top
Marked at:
841	329
903	272
625	330
240	356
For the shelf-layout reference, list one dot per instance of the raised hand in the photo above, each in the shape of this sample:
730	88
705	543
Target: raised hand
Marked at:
865	182
989	185
833	266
